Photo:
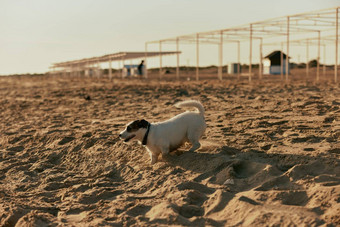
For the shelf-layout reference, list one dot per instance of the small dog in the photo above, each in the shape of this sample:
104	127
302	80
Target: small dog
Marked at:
164	137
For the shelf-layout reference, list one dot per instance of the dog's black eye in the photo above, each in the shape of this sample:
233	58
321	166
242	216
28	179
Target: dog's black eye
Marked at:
128	128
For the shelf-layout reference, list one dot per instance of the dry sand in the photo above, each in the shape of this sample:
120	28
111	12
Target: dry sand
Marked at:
270	155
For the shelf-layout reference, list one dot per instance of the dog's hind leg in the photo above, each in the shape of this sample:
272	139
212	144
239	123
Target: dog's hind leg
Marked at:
193	137
195	146
165	150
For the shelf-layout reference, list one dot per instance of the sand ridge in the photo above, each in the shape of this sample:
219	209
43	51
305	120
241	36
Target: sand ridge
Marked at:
270	155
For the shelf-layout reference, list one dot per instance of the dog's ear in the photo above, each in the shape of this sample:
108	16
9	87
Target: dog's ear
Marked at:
143	123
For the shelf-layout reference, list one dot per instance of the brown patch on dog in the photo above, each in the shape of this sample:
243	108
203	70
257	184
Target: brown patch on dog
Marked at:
135	125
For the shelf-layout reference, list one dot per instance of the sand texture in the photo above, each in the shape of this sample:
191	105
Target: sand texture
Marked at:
269	157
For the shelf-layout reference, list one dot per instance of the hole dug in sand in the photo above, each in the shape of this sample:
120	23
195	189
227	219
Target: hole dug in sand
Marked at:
242	175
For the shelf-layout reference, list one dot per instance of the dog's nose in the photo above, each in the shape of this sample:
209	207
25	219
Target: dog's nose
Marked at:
120	135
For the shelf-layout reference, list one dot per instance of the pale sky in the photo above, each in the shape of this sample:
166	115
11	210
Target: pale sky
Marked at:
37	33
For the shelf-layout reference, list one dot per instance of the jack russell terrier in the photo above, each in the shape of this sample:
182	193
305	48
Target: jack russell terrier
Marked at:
164	137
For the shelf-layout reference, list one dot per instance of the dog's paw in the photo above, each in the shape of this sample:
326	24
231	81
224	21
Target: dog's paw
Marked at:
153	161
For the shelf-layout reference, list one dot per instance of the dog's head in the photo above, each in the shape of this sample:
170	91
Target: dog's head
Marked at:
135	130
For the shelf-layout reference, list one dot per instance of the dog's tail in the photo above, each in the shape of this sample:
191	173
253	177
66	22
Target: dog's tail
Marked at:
191	103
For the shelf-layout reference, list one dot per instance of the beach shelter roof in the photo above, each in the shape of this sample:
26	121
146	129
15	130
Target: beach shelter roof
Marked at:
276	54
112	57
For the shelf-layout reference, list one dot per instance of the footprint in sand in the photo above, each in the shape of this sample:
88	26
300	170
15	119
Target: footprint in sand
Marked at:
16	149
66	140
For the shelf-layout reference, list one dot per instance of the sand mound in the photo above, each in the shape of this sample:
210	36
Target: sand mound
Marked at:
270	155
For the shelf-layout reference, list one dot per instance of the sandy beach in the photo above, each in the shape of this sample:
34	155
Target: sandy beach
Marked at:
270	155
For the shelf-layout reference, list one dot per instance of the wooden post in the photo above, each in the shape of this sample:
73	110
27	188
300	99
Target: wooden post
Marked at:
324	61
177	62
98	70
160	60
287	57
110	68
336	47
123	63
260	65
146	60
77	70
86	71
250	51
307	58
318	59
238	60
197	56
281	61
220	65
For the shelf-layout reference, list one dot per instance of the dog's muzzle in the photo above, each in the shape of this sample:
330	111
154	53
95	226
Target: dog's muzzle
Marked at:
126	139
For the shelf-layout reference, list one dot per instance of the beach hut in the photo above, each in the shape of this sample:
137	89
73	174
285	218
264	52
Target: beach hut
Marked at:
130	70
234	68
272	63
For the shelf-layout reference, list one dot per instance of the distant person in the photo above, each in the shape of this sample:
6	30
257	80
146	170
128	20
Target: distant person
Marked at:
140	68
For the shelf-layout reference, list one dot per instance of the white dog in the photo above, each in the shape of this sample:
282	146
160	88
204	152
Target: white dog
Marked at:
164	137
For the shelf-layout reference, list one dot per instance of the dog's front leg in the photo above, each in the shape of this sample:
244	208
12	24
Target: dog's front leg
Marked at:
154	158
165	150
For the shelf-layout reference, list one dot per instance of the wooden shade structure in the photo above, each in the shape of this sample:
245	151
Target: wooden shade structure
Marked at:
320	26
81	64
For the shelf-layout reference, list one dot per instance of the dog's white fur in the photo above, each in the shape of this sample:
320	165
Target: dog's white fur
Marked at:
169	135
